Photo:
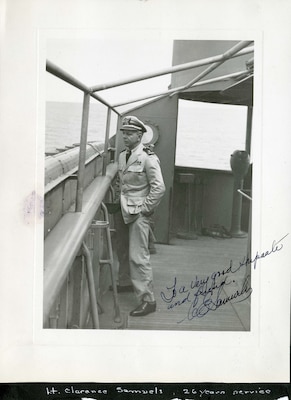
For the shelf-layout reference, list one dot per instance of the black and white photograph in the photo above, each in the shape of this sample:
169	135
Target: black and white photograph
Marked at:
145	198
148	185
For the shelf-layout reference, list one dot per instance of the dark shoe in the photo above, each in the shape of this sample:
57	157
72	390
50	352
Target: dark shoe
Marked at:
144	308
122	289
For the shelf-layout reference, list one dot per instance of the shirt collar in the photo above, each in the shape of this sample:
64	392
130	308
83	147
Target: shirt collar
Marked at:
137	148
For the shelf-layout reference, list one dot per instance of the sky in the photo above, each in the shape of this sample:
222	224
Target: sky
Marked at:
95	61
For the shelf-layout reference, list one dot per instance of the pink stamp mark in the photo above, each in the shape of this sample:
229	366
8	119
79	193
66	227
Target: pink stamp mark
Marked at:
33	208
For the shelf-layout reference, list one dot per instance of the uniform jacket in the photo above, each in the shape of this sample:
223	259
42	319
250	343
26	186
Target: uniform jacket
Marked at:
140	185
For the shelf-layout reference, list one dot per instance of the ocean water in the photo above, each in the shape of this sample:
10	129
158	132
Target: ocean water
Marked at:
207	134
63	124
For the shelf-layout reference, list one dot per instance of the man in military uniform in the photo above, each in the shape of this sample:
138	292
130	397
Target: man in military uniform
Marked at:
139	189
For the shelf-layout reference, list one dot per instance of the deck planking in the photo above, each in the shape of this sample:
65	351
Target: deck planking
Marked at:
186	261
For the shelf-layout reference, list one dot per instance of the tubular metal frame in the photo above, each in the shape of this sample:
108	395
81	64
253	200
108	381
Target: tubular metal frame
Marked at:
181	88
224	57
70	231
170	70
239	49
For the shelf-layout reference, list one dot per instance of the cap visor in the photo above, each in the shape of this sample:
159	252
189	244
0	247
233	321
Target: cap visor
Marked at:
130	128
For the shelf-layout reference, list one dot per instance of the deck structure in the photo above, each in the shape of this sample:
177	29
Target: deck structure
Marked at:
77	186
186	262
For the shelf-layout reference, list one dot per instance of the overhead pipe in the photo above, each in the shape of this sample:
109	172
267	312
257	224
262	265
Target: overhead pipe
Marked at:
60	73
225	56
82	153
169	70
96	97
105	154
205	82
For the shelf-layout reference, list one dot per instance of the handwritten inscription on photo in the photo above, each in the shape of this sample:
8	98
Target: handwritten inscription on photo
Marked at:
202	295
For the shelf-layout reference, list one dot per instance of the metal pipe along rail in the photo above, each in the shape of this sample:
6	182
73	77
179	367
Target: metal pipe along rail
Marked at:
170	70
225	56
180	88
63	75
63	243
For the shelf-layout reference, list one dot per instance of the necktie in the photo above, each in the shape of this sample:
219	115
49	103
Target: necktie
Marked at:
128	153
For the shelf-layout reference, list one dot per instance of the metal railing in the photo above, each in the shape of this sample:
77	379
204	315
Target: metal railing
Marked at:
67	238
64	242
173	69
63	75
240	49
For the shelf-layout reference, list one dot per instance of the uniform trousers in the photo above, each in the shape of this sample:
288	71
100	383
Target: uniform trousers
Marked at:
133	255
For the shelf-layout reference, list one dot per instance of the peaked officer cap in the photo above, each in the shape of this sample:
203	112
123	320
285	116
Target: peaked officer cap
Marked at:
131	123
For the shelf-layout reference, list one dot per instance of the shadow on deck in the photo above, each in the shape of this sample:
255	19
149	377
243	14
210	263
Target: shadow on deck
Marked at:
188	262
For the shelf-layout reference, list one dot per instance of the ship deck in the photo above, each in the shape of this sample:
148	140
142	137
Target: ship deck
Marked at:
188	262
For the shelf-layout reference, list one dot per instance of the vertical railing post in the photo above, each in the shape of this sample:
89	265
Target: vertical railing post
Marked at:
117	144
82	154
105	154
239	162
249	129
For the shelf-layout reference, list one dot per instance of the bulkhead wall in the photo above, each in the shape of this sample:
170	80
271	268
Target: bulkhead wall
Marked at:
185	51
162	115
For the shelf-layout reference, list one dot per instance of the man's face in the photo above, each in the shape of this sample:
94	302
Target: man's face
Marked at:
131	138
